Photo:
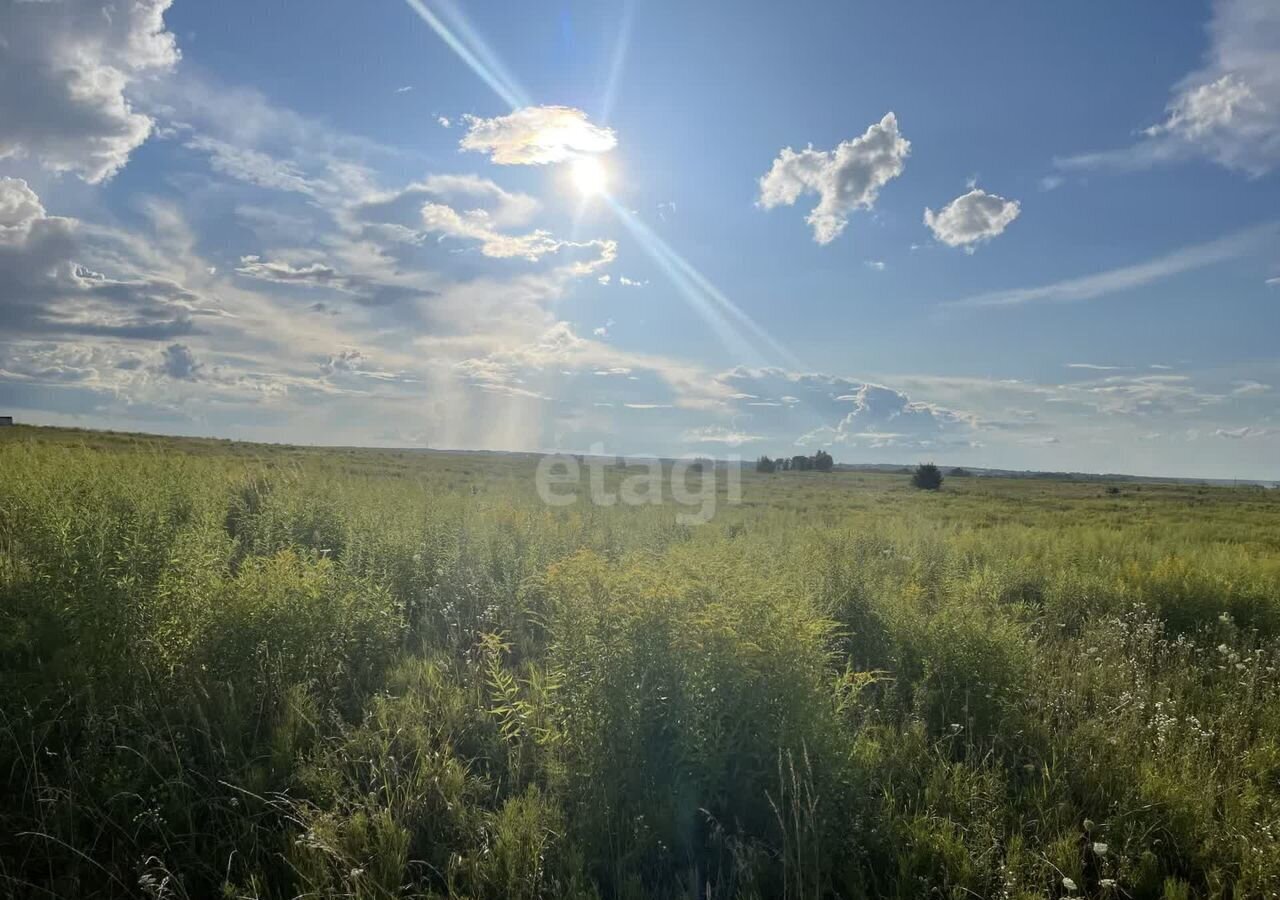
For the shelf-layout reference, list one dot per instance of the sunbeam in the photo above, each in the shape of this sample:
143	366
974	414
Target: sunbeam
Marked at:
675	268
620	47
472	49
706	298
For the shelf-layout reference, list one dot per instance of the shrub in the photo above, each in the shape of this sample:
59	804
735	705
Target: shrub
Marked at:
927	477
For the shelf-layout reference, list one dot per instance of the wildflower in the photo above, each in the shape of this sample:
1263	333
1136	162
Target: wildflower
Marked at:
1107	883
1088	824
1068	884
1100	848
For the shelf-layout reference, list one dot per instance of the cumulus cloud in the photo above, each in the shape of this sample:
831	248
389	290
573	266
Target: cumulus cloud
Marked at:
345	361
971	219
537	135
883	417
44	289
846	412
437	218
1228	111
178	362
65	69
845	179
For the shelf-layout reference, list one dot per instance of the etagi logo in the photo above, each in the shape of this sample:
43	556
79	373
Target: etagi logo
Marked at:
691	483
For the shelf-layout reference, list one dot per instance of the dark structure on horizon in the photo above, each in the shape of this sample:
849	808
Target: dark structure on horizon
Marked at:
6	420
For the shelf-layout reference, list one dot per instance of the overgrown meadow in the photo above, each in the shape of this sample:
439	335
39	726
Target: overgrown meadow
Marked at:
249	672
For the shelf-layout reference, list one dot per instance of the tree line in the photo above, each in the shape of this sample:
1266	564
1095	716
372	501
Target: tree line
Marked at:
819	462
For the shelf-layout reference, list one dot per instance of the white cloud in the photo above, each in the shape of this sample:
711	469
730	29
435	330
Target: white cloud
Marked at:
1246	431
1243	388
1228	111
846	412
251	166
1095	367
631	282
605	279
444	122
484	198
1126	395
46	286
875	264
845	179
971	219
1100	284
415	211
313	275
537	135
65	68
404	89
718	434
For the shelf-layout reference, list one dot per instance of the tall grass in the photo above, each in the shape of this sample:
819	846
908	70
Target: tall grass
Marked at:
287	673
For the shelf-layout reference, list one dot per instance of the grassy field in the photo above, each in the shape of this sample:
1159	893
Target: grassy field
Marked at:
229	670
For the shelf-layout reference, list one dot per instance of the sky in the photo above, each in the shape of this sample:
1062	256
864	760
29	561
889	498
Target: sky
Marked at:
1033	236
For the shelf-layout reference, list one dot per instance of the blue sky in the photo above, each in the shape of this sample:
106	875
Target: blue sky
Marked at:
1035	236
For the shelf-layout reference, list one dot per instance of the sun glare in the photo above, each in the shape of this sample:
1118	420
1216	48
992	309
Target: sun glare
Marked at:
589	176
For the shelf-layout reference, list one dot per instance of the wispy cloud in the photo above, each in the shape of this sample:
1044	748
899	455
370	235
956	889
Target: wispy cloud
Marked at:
1089	287
1228	111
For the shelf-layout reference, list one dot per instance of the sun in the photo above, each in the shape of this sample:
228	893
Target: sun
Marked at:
589	176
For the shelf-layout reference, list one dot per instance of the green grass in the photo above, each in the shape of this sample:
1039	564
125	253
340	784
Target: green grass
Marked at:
245	671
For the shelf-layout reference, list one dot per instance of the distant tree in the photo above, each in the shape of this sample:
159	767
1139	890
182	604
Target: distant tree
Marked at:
765	464
959	473
801	463
822	461
927	477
